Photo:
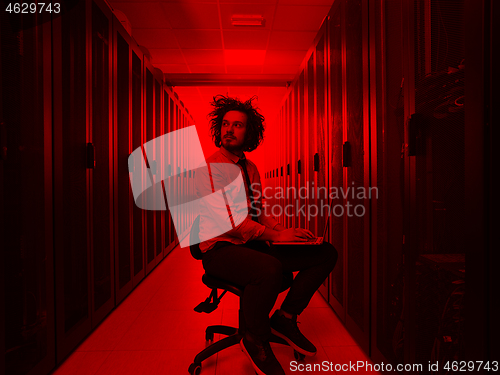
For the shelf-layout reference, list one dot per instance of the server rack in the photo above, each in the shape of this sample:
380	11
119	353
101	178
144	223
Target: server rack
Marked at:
26	180
167	223
83	172
72	149
101	175
348	289
138	221
149	135
335	167
122	146
74	240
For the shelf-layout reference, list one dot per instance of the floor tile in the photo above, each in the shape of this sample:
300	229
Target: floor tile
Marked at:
82	363
156	331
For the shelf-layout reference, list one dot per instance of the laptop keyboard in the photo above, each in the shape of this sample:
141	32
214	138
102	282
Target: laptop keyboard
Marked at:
316	239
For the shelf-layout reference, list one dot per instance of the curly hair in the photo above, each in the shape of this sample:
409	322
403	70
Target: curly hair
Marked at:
255	121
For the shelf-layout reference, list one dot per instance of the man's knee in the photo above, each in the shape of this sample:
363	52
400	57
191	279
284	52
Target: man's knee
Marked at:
270	269
330	254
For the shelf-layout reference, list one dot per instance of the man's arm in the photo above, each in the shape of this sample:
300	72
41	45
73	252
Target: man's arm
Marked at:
214	210
292	234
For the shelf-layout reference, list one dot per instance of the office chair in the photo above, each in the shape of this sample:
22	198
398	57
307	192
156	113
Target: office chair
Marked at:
234	335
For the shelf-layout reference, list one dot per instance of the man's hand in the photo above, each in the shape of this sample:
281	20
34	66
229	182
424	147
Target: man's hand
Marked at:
294	234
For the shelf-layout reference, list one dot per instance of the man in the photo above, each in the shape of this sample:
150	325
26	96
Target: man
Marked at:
242	256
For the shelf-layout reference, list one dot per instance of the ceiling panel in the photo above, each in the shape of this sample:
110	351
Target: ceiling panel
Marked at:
172	68
249	1
299	18
272	91
274	57
246	39
190	1
244	57
187	16
187	36
166	56
228	10
244	69
206	68
291	40
144	14
204	56
199	39
327	3
155	38
187	91
280	69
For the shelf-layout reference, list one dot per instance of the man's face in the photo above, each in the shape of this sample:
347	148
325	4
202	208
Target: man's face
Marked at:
233	130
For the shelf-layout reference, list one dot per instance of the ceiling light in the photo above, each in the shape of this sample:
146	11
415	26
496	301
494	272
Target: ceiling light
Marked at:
247	20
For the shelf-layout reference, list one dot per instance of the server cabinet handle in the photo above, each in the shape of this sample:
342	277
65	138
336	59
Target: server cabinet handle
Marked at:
415	127
3	141
346	154
288	169
299	167
316	162
90	156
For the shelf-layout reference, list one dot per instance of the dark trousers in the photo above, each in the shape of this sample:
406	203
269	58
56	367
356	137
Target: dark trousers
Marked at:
259	268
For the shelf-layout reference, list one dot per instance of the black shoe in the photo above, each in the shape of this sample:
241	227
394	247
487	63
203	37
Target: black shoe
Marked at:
287	329
262	357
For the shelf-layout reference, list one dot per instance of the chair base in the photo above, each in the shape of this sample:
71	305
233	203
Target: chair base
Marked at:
234	337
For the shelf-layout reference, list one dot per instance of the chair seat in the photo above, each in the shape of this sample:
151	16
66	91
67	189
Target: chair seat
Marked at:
214	282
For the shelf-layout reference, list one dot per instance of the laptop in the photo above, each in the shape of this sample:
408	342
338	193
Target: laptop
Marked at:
309	241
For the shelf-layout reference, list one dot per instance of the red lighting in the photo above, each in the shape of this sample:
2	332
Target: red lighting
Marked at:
244	57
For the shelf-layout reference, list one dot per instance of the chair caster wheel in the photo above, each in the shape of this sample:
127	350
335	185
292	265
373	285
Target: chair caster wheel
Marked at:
298	356
209	336
195	368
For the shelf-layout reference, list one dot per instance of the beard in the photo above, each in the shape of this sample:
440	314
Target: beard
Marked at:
231	146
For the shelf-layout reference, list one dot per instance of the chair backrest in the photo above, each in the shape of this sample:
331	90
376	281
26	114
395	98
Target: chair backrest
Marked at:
195	239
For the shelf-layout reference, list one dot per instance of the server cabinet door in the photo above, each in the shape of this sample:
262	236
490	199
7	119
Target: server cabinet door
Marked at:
26	235
336	104
357	174
436	266
167	222
71	179
170	170
301	151
319	154
101	176
289	158
294	144
336	139
149	129
123	197
159	169
387	165
137	141
309	144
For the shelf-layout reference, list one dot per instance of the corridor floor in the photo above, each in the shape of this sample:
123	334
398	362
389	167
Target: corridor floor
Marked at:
156	331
